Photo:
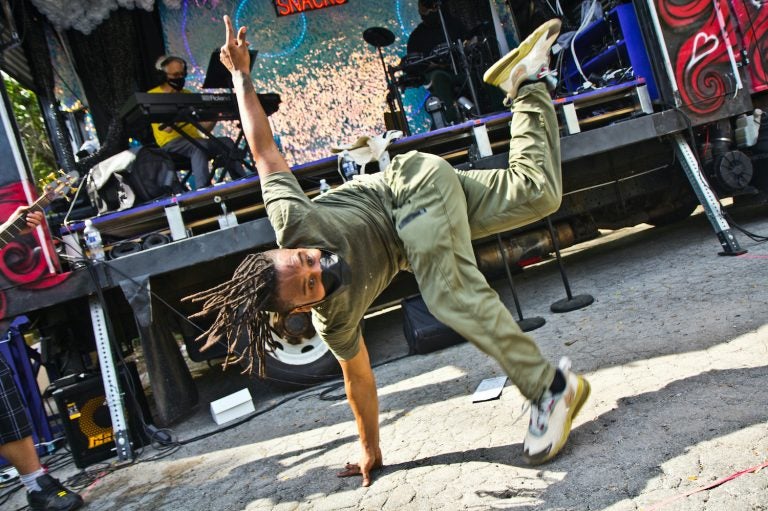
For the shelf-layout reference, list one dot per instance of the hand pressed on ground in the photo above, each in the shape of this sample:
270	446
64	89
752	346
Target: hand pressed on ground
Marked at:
353	469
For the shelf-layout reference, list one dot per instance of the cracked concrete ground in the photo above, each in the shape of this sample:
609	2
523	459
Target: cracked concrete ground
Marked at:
675	347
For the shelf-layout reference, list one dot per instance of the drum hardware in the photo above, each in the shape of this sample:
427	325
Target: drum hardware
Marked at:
436	110
470	82
380	37
413	69
439	5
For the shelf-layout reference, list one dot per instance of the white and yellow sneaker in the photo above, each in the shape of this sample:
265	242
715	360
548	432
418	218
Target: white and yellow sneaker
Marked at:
552	415
529	61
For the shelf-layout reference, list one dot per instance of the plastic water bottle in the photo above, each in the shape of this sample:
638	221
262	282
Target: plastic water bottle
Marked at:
93	241
324	186
348	165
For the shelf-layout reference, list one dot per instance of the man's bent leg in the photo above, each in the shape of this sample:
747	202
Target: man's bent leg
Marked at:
531	187
431	220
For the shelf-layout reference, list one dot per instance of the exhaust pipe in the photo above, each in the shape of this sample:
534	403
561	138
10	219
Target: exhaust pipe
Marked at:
535	244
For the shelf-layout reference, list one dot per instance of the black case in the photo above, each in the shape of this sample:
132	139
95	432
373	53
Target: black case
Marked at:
423	331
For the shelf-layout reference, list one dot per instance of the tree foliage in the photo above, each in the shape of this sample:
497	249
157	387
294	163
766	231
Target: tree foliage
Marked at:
34	136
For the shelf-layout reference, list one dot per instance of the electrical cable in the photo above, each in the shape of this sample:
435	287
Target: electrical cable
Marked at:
689	129
327	388
584	24
183	317
174	444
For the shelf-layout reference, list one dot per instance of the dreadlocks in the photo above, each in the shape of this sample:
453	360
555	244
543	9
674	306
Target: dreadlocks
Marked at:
241	304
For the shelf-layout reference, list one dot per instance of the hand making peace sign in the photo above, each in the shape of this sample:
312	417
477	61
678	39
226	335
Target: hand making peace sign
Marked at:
234	53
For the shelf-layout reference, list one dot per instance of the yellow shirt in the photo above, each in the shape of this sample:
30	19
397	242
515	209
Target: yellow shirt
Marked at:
163	137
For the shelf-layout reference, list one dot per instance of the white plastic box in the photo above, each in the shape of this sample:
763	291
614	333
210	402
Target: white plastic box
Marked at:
232	407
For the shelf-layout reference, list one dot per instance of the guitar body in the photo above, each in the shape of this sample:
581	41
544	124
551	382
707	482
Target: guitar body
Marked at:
26	259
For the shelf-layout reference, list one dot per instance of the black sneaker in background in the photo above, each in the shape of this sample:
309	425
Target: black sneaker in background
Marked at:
53	496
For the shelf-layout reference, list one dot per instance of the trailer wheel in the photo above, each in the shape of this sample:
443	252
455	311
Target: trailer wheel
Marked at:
301	359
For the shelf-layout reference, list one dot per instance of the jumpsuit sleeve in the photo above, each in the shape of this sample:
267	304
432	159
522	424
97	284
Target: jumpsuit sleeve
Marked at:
287	206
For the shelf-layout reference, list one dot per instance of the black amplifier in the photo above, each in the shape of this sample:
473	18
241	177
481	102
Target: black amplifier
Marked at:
83	409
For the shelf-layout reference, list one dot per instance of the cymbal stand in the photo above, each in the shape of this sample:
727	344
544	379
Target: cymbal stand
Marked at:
464	61
439	6
525	324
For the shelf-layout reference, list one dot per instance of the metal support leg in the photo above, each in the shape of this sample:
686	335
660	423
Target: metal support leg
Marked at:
570	302
706	197
111	382
525	324
172	385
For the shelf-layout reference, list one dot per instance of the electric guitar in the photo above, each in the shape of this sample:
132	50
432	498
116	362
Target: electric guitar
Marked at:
58	187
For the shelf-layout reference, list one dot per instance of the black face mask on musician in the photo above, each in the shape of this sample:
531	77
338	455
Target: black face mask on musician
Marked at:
176	83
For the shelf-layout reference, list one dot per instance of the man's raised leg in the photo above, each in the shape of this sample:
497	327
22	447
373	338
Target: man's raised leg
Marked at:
534	168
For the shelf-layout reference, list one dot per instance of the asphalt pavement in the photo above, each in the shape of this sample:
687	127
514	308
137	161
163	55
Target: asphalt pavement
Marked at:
675	347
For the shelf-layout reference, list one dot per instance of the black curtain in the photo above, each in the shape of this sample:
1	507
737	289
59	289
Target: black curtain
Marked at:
31	23
116	60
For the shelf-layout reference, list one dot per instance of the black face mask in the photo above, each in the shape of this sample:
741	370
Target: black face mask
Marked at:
335	274
176	83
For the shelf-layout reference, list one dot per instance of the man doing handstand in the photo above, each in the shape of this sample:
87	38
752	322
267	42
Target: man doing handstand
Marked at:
339	251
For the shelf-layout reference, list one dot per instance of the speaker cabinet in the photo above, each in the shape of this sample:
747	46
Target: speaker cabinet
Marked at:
83	409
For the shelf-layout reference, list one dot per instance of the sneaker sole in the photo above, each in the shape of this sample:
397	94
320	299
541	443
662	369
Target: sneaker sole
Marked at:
498	73
582	393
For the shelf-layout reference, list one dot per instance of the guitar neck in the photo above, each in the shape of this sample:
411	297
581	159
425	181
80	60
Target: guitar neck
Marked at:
12	230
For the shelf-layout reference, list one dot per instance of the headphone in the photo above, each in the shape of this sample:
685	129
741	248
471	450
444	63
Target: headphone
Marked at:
163	61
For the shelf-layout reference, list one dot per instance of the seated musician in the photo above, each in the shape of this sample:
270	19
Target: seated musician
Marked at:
202	149
428	37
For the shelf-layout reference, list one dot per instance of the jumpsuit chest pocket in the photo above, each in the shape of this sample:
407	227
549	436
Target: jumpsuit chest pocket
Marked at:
410	217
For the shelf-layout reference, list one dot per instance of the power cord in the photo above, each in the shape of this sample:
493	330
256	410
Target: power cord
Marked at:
692	140
164	439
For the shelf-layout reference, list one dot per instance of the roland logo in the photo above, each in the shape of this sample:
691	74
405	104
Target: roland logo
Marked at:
220	98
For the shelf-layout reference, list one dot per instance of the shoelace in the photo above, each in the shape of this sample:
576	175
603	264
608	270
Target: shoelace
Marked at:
541	410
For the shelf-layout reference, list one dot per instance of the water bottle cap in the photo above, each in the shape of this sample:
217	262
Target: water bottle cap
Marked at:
88	223
322	181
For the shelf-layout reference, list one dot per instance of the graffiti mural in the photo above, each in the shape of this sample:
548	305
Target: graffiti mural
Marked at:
698	36
22	262
753	27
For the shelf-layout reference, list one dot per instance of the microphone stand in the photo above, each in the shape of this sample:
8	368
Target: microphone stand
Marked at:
465	63
439	6
393	94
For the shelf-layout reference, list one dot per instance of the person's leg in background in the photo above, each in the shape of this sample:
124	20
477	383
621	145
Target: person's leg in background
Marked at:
16	445
198	159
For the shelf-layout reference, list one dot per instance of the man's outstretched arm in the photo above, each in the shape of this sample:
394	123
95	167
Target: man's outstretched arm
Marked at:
235	57
361	394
